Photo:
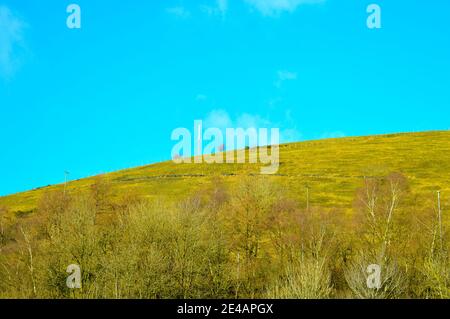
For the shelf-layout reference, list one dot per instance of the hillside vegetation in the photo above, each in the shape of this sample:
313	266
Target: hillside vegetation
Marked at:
171	230
332	168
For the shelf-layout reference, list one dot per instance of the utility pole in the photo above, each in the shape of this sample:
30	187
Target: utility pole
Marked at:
307	197
440	216
238	276
66	173
199	141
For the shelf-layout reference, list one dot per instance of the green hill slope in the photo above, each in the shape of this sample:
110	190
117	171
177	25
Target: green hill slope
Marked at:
332	169
244	237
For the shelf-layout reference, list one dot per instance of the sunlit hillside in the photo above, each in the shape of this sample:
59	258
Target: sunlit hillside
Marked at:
332	169
169	230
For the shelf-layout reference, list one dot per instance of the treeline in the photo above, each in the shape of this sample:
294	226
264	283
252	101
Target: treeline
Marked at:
249	241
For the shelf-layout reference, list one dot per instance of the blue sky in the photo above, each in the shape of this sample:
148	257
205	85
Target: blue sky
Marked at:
107	96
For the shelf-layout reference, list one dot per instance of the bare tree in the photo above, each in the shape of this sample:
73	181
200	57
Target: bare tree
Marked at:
30	263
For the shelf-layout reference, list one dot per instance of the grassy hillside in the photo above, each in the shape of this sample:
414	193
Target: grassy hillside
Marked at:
333	169
220	231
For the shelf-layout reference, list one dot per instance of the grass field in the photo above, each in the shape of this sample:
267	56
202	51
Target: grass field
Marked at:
332	169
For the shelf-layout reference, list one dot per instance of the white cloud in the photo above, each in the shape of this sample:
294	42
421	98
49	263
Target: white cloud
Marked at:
285	76
220	8
221	119
252	121
272	8
180	12
276	7
222	5
201	97
12	44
